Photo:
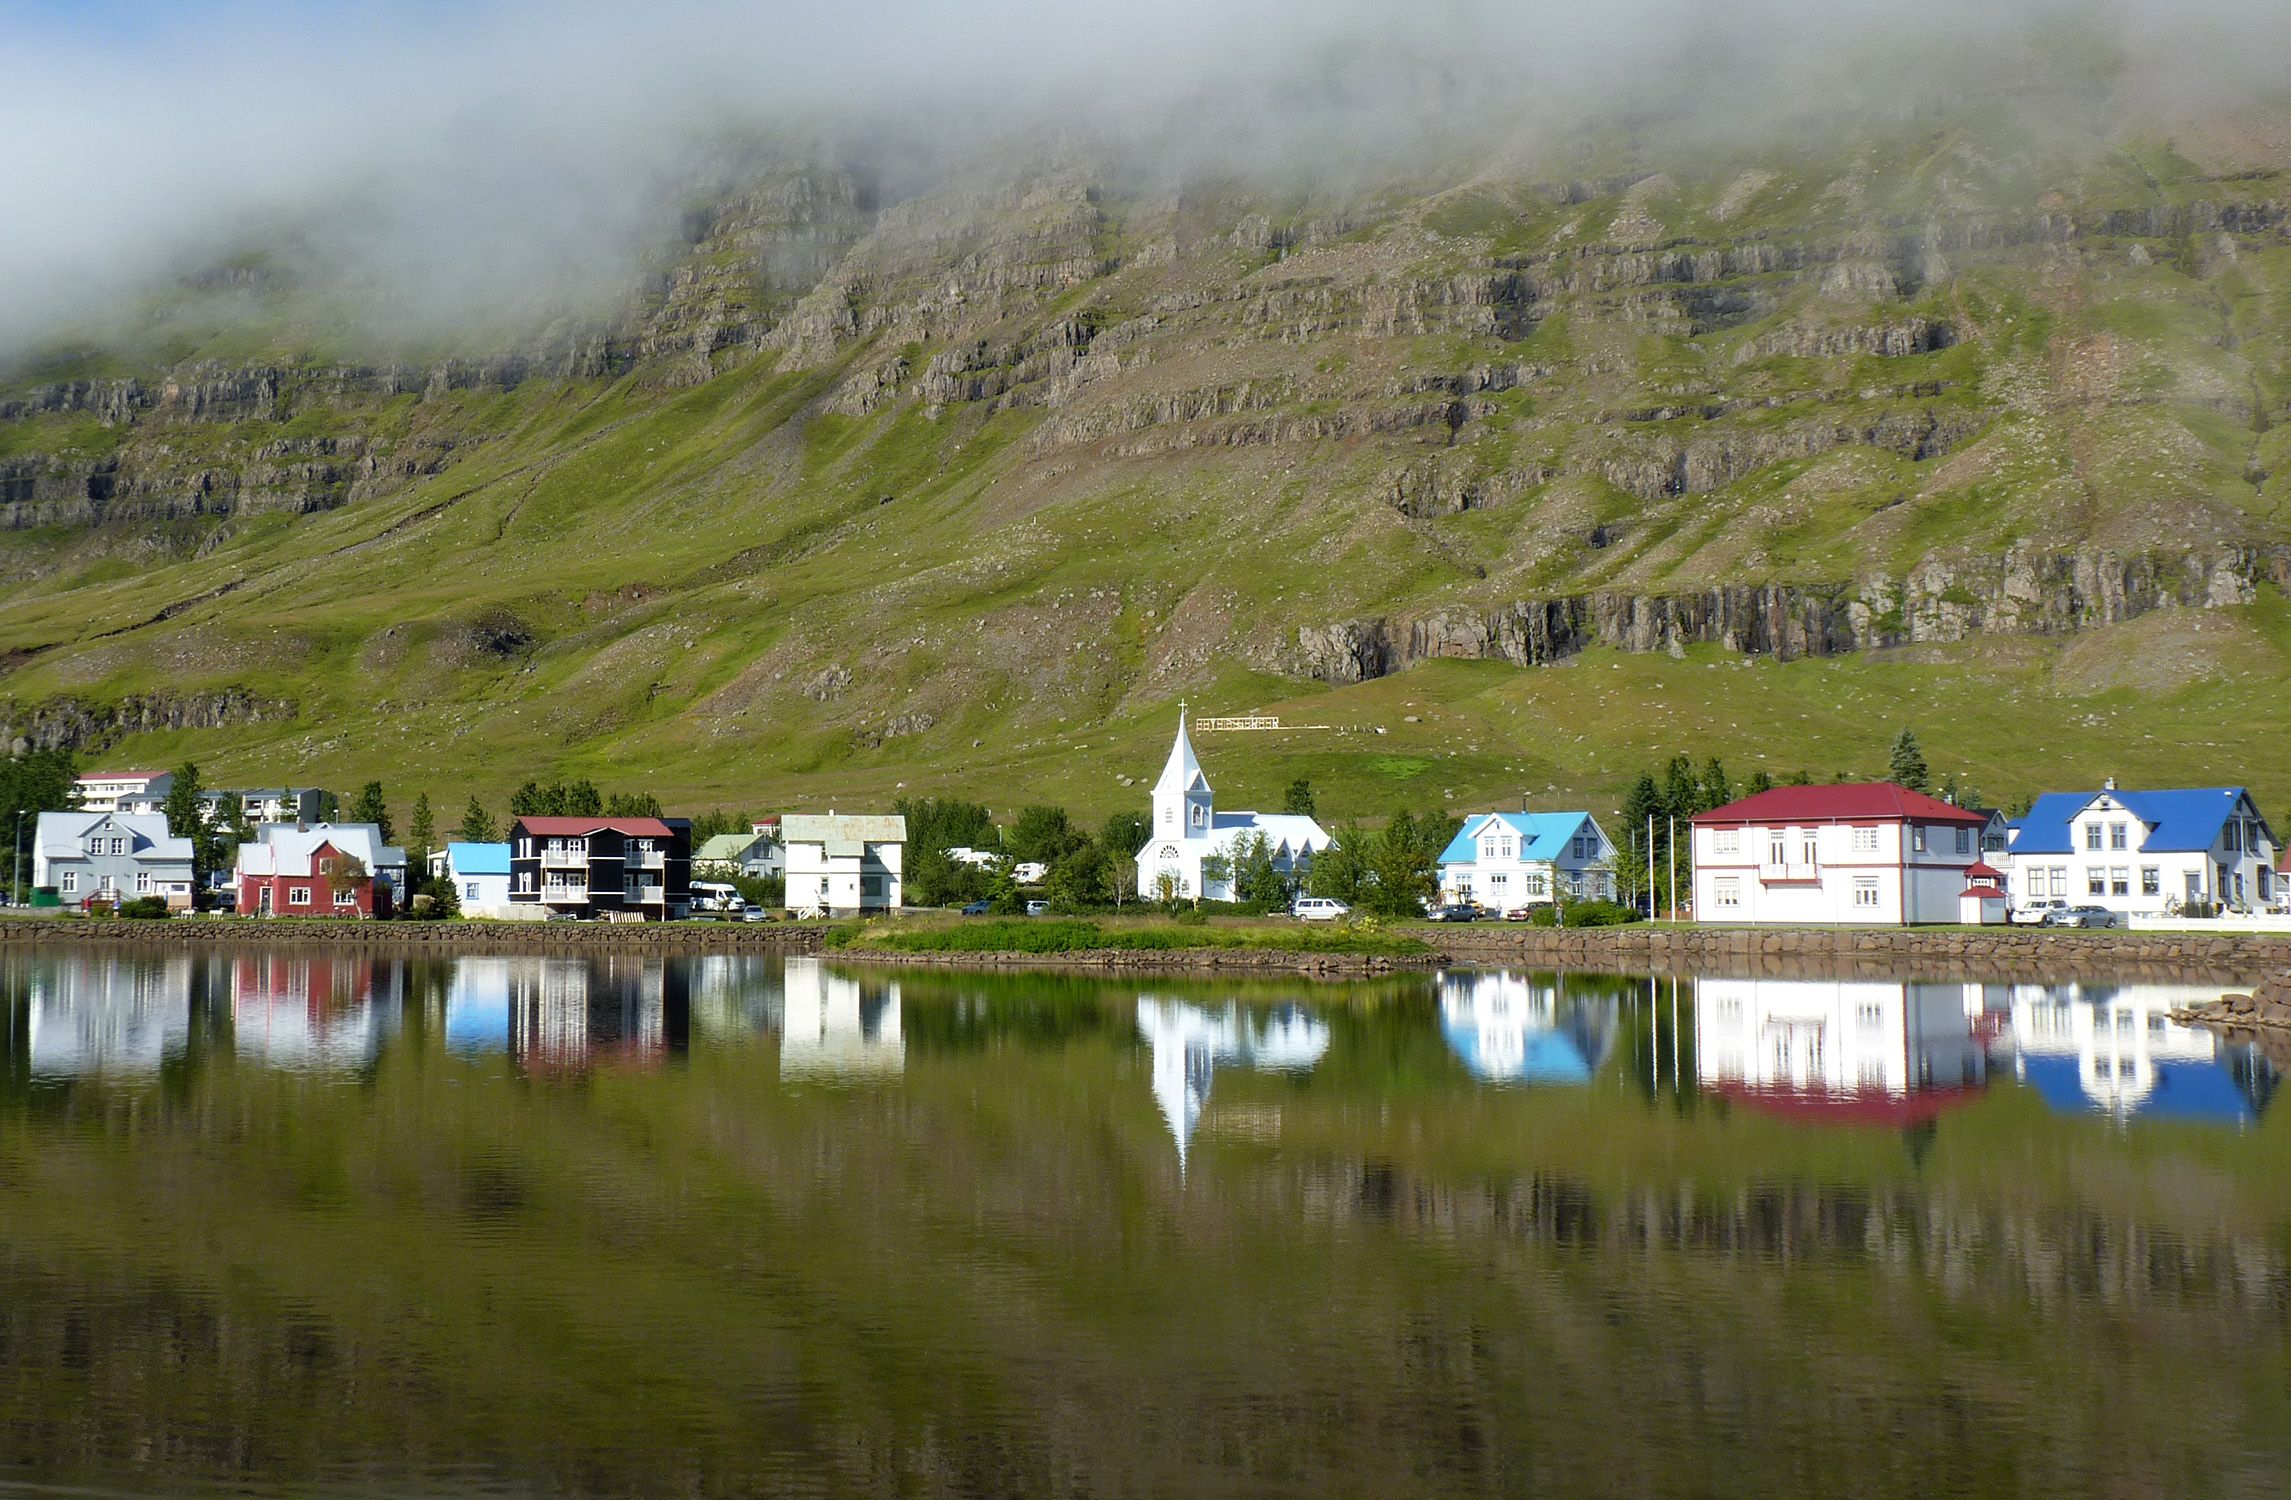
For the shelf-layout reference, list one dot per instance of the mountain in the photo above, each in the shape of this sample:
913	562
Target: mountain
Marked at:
1516	471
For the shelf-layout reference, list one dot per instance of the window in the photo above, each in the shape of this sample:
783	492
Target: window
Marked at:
1488	849
1200	816
2116	836
2060	880
1168	815
1729	841
2119	881
1503	849
1807	849
1582	848
298	895
1726	891
1777	853
142	882
1964	841
469	890
2095	881
1499	880
525	882
1871	1016
346	897
1917	837
1534	883
2151	881
119	846
2092	837
1865	892
71	882
1865	841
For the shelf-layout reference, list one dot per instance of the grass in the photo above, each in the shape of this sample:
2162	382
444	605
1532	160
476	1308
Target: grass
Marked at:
1060	935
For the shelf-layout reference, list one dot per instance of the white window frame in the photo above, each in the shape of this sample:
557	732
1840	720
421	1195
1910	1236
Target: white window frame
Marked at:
70	883
1865	893
298	895
1726	892
1865	841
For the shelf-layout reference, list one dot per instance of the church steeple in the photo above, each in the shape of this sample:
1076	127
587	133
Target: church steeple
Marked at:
1181	799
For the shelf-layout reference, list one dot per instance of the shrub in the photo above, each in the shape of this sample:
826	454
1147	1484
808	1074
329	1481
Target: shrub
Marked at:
146	908
1600	914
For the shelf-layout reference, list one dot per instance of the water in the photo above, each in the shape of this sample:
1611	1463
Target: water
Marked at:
320	1222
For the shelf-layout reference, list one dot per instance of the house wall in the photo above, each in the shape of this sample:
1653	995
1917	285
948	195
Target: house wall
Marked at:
602	879
80	876
873	880
1863	873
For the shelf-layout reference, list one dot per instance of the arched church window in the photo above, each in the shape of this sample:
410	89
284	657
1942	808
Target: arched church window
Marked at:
1200	816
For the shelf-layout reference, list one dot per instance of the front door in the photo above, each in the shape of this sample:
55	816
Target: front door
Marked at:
262	902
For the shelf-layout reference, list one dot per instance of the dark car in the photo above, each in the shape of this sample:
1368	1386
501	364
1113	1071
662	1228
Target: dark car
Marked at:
1454	911
978	908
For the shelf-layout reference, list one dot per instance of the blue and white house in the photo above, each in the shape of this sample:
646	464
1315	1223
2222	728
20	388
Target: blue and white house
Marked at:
2144	853
480	875
110	856
1507	860
1188	830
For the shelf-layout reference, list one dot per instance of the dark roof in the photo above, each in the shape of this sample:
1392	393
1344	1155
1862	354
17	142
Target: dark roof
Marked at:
1840	803
2183	821
643	828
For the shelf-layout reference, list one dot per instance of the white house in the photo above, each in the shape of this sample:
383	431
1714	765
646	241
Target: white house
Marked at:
110	856
107	791
728	854
1508	860
1858	854
838	1027
1188	830
480	876
843	863
2143	853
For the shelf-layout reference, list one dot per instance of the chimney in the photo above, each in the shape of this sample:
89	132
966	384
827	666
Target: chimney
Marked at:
2108	785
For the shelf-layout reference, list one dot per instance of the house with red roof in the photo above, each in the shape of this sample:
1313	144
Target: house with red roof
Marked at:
601	867
1858	854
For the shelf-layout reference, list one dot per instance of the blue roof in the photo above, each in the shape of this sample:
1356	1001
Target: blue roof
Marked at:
1549	1056
2204	1093
1542	836
478	859
2187	821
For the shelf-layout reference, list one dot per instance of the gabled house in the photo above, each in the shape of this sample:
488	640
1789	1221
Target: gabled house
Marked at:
1508	860
2145	853
601	867
1871	854
110	856
1188	832
479	872
755	854
319	870
842	862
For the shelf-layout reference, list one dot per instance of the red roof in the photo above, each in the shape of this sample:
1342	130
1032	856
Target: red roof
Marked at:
1985	892
1846	802
1871	1106
643	828
1983	870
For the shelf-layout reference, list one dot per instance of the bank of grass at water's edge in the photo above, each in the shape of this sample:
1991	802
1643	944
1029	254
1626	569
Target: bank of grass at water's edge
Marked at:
1076	936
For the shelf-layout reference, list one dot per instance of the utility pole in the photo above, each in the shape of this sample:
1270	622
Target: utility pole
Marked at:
16	864
1673	830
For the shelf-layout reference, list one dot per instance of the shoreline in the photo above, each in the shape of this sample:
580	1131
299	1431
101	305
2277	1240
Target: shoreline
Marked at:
2000	954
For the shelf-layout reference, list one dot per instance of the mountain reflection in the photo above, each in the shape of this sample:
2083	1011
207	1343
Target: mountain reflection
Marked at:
1517	1028
1189	1042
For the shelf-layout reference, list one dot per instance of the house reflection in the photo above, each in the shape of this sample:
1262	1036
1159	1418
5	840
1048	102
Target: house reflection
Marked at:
1510	1028
839	1026
1848	1050
736	998
106	1014
1189	1042
568	1015
2114	1049
477	1000
299	1009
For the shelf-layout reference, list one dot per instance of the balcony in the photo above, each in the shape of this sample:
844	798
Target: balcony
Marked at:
652	895
1802	873
561	895
657	859
565	856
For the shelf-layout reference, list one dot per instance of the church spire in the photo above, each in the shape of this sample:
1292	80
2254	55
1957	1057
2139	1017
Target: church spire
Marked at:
1183	772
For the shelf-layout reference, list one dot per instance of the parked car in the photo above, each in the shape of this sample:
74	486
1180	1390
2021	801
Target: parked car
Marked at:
1319	909
978	908
1453	911
1037	908
2081	916
754	913
1523	913
2034	913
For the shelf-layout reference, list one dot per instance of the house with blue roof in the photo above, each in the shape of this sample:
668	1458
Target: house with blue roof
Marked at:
2144	853
1504	861
480	875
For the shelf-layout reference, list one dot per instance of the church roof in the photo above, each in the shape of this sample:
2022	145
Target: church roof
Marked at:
1183	772
1290	833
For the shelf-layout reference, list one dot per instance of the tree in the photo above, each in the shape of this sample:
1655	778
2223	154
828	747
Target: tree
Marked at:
1080	880
42	781
1299	800
1906	765
1340	872
372	807
1404	865
1042	833
343	874
1759	782
422	836
632	805
1682	791
1717	791
1125	834
476	824
1258	883
187	819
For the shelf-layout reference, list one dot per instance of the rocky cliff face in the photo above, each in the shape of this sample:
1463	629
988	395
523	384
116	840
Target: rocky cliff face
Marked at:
72	723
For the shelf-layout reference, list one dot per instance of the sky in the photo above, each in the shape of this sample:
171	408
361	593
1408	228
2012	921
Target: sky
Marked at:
439	157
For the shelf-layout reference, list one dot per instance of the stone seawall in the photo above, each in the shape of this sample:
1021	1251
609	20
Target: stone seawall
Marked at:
436	937
1999	954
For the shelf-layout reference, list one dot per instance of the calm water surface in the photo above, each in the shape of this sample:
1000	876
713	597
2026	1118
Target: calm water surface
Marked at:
306	1222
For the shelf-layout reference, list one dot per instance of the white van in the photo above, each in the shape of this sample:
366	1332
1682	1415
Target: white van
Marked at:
713	896
1319	909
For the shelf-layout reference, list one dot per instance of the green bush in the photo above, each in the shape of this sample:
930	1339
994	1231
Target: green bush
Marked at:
145	908
1600	914
1067	936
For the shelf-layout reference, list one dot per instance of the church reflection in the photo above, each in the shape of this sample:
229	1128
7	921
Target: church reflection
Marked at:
1190	1042
1507	1027
839	1025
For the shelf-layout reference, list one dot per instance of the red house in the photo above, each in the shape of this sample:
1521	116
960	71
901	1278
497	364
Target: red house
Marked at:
324	870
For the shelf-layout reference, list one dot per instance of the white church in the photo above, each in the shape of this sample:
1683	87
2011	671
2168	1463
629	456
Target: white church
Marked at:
1188	830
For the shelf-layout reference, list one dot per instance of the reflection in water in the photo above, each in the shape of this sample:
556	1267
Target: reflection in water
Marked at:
2115	1048
1189	1042
570	1014
1517	1028
308	1008
1848	1048
108	1014
839	1026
